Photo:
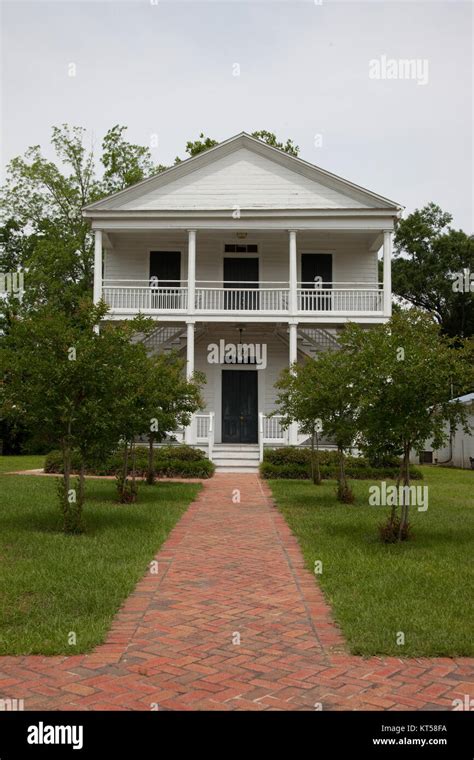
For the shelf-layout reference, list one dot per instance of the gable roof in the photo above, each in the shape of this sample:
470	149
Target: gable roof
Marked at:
242	171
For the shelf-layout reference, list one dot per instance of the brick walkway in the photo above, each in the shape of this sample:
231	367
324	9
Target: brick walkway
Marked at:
230	570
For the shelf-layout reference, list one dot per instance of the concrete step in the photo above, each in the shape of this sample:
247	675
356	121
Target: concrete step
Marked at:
236	457
236	469
250	456
236	446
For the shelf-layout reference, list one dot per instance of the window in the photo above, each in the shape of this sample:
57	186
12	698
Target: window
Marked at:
240	248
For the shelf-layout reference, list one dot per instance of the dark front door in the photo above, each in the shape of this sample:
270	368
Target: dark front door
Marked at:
239	406
238	274
316	275
165	278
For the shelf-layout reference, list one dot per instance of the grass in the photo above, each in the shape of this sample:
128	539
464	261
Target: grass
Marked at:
422	587
21	462
52	584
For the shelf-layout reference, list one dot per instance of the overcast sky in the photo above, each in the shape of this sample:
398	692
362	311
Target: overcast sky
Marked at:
167	68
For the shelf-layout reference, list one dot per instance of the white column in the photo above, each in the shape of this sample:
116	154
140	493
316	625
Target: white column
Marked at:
387	273
97	266
292	272
189	432
189	349
293	355
191	270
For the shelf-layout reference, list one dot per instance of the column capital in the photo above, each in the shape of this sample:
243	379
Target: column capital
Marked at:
191	322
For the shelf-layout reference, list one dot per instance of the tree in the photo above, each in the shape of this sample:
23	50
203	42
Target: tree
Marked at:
430	259
323	389
171	399
297	403
194	147
74	388
270	139
44	232
124	163
407	374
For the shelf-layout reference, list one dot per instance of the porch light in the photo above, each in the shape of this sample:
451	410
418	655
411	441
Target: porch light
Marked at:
241	235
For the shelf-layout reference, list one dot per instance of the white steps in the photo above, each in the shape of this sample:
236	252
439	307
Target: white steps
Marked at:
238	457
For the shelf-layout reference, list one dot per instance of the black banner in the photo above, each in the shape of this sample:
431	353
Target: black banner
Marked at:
154	734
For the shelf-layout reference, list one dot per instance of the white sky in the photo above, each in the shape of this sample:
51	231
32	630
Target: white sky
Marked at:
167	69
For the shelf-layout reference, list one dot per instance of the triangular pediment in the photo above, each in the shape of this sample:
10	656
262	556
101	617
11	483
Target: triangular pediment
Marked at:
242	173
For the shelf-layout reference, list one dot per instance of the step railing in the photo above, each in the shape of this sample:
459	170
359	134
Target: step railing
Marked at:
271	431
204	427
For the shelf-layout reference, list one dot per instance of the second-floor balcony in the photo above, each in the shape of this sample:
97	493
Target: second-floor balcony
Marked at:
214	298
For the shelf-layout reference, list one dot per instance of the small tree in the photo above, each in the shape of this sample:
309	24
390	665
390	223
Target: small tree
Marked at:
408	374
323	389
171	399
70	386
296	403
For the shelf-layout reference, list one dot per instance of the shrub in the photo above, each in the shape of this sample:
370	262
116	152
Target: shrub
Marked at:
170	461
388	531
302	455
301	470
288	471
345	494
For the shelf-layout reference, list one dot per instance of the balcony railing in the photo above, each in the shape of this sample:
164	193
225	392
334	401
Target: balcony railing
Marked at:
341	296
265	296
143	295
132	296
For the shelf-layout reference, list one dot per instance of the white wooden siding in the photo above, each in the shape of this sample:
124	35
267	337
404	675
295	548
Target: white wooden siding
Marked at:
244	179
352	259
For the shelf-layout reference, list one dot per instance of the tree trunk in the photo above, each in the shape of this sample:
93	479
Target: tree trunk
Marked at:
80	495
315	471
342	470
406	482
318	469
66	465
150	476
133	465
122	482
393	512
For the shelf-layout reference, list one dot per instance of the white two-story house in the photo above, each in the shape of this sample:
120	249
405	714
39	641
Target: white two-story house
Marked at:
248	259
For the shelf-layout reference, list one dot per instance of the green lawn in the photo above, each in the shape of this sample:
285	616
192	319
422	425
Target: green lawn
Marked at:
52	584
27	462
422	588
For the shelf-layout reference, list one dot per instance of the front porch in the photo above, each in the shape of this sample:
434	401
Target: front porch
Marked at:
241	363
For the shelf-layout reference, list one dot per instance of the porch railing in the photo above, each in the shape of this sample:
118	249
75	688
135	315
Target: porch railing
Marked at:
271	297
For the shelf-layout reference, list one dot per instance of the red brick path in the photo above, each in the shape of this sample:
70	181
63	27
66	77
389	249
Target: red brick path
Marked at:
230	570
